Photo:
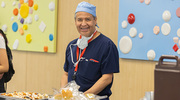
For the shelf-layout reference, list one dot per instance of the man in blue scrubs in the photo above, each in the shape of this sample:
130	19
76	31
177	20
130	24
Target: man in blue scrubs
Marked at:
91	59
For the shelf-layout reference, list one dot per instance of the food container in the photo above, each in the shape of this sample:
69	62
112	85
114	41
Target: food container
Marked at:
167	78
24	96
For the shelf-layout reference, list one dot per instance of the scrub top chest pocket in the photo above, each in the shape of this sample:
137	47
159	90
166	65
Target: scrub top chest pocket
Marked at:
89	68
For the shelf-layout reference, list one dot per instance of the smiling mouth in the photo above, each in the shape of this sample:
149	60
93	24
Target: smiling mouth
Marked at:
84	29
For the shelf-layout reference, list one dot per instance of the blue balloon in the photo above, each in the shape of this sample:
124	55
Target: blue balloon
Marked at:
14	26
51	37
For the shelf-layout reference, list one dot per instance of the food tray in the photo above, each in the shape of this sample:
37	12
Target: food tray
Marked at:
3	97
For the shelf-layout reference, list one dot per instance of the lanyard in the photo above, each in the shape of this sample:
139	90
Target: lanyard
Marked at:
77	52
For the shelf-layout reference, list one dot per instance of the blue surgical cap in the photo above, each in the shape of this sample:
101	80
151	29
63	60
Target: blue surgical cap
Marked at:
86	7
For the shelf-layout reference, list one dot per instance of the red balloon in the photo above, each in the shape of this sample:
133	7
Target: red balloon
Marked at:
131	18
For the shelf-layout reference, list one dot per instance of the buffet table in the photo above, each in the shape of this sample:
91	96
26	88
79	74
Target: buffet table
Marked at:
14	98
9	98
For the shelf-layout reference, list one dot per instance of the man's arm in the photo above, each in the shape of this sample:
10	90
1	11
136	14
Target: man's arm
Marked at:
104	81
64	79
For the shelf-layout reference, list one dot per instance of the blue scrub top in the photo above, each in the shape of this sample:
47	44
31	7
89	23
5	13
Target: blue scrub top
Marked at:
101	57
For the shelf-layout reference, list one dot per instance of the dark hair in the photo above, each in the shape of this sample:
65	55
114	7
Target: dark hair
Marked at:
4	36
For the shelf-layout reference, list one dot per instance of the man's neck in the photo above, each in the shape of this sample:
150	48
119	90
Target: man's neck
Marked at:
96	35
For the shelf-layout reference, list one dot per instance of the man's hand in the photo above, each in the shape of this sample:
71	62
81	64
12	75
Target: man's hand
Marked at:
104	81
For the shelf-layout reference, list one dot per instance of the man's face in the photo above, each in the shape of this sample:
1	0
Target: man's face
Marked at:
85	23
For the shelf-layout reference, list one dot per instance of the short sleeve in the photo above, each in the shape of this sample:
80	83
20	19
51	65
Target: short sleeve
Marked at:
2	43
110	63
66	61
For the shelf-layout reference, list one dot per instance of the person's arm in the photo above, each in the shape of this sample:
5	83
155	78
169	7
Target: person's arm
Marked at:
4	65
64	79
104	81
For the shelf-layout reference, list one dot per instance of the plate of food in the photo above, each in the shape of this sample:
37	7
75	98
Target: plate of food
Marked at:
24	95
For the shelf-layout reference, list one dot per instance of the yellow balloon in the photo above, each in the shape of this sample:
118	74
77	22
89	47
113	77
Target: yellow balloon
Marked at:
25	27
35	7
28	38
24	10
